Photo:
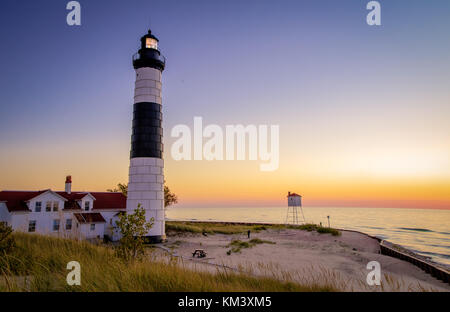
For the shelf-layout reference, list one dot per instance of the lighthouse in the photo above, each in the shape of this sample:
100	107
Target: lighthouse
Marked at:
146	176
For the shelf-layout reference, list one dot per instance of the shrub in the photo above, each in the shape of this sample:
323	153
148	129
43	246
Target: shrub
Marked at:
326	230
132	228
236	245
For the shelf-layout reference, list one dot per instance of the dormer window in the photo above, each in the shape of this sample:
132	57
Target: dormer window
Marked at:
151	43
38	207
55	206
87	206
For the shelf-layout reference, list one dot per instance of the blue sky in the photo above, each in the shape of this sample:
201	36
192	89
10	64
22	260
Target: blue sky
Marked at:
314	67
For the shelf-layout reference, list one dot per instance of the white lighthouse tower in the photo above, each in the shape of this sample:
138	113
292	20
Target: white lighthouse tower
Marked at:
146	176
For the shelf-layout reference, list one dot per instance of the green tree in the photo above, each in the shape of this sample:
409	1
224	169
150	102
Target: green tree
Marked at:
133	228
121	188
169	197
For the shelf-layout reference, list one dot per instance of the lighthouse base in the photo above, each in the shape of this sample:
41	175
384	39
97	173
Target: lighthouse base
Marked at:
155	239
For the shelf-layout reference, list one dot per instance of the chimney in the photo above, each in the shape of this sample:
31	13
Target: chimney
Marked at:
68	184
289	193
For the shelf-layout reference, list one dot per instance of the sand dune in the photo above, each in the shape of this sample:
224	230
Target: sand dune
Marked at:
306	257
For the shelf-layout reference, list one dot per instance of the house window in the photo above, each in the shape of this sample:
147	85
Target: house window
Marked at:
87	205
93	227
56	225
68	224
55	206
32	226
48	206
38	206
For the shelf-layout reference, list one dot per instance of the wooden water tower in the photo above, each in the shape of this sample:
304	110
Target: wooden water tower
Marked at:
294	205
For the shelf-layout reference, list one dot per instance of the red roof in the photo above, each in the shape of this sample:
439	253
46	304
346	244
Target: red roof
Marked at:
73	195
93	217
16	200
103	200
293	194
109	200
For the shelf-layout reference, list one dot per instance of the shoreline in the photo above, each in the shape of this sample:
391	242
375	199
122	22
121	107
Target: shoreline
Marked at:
388	249
410	228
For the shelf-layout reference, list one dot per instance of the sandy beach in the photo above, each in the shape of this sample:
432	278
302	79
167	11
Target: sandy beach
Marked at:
304	257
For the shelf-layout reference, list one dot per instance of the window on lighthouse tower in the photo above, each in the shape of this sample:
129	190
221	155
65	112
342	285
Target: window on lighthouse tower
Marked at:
151	43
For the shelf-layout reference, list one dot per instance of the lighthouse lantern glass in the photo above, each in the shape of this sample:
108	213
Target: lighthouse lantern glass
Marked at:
151	43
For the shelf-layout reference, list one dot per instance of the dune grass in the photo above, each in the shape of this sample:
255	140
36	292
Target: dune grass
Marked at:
174	227
210	227
236	245
38	263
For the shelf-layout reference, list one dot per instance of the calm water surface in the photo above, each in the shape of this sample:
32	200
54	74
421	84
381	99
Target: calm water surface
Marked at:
424	231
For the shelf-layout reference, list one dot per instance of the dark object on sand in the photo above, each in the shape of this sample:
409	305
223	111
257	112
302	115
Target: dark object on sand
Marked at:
248	233
199	253
204	233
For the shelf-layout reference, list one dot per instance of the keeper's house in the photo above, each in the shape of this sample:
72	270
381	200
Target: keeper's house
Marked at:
82	215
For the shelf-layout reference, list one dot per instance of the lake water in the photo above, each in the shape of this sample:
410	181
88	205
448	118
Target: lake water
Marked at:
424	231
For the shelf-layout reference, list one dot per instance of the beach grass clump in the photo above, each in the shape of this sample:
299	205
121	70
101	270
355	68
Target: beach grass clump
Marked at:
310	227
176	227
236	245
256	241
38	263
258	228
327	230
182	227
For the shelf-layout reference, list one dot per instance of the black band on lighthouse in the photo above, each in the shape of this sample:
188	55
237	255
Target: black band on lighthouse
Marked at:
146	137
149	58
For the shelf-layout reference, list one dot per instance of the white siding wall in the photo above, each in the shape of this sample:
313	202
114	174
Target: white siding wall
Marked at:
44	219
86	233
109	216
5	216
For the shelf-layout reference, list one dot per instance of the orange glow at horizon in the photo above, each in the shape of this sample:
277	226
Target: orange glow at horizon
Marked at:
345	171
235	183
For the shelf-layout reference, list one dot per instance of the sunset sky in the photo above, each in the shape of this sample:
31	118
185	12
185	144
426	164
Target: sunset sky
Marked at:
364	111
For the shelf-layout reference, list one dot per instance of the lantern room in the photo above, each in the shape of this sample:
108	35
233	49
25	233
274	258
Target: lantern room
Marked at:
149	41
149	54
